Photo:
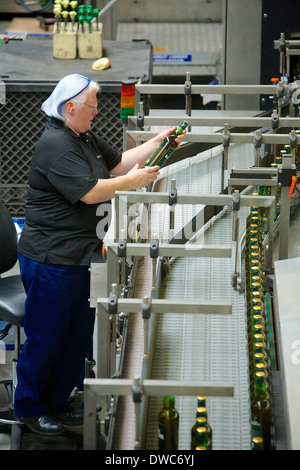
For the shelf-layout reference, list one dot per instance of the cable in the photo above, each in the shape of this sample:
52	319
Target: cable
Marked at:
38	6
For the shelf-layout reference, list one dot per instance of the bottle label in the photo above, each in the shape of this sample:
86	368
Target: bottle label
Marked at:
256	428
165	157
162	436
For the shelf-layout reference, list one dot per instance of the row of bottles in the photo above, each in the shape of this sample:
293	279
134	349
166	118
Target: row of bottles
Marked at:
258	335
168	426
201	432
266	190
287	151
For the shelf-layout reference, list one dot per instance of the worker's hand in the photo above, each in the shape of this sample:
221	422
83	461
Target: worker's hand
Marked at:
141	177
168	132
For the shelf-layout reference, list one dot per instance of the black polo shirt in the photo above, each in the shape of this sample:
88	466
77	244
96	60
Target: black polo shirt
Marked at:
64	167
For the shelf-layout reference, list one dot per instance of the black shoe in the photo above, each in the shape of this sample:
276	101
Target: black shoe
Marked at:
45	424
71	417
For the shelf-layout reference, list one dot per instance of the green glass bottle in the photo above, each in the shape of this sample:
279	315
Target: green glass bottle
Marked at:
168	425
256	328
257	443
200	422
201	413
261	411
255	299
261	338
259	347
201	438
166	147
201	401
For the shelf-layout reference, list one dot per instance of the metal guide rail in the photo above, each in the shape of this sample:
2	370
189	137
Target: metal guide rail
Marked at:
285	173
284	93
274	122
258	137
139	388
218	89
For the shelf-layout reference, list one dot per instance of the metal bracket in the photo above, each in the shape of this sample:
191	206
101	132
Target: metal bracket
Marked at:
137	390
113	301
172	202
140	123
122	249
285	175
257	145
293	139
275	120
226	143
188	94
280	90
172	196
154	244
146	308
236	202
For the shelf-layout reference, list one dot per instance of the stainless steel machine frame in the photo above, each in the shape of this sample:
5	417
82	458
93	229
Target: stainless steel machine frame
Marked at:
108	307
112	304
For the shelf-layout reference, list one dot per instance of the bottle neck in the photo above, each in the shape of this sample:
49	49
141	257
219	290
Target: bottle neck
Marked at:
260	386
169	402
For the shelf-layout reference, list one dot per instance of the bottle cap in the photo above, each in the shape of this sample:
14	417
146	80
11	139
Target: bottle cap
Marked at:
201	419
201	409
201	430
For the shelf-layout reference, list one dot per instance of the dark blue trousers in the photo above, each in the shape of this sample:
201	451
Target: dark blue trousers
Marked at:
59	326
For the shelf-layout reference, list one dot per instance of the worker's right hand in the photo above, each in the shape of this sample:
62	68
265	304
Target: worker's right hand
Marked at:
141	177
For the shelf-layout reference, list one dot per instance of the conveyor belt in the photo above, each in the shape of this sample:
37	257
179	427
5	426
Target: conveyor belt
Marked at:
202	346
196	346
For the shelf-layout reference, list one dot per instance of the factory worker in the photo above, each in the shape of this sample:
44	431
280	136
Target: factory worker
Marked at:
69	179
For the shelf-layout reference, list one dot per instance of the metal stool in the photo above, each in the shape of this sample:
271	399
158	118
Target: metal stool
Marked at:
12	308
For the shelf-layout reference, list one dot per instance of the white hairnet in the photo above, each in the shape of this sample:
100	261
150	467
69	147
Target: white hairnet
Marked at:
66	89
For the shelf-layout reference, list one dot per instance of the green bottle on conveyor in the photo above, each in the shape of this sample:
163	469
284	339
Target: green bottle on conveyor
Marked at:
168	425
165	148
261	411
